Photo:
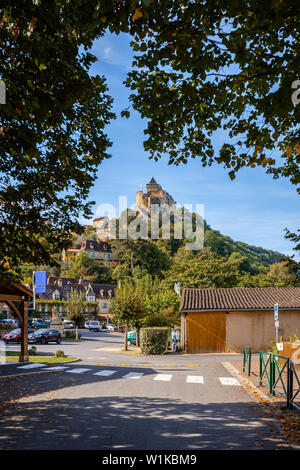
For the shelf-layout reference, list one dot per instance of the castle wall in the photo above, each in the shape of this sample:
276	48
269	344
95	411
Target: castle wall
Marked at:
154	195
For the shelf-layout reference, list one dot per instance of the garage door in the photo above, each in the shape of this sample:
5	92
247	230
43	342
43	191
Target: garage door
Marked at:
206	332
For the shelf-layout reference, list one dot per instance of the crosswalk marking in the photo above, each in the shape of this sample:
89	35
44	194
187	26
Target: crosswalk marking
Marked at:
163	377
195	379
189	379
77	371
31	366
105	373
229	381
133	375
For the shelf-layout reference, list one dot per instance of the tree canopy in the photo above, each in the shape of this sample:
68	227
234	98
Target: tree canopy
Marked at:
206	65
200	66
51	129
88	268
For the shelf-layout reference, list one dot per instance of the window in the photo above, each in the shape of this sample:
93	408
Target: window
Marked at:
104	305
56	295
91	298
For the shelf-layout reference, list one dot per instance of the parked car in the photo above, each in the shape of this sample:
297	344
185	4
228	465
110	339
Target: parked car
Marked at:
68	324
111	326
104	326
131	337
14	336
86	324
41	324
45	336
94	326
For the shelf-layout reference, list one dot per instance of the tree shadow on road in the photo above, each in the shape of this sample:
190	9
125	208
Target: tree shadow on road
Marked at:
126	422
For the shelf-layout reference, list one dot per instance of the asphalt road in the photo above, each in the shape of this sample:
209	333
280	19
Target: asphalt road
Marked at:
154	403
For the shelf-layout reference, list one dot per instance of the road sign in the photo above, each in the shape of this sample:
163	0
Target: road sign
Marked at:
279	346
276	312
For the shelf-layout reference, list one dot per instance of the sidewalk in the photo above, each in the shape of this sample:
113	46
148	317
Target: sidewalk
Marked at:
288	420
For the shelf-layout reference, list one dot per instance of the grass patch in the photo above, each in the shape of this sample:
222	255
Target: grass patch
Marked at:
41	358
17	353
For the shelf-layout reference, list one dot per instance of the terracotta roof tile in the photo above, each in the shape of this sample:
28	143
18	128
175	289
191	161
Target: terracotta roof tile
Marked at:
261	298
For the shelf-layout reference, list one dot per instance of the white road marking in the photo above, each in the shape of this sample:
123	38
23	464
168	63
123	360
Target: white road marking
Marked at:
77	371
133	375
31	366
105	373
163	377
229	381
56	368
195	379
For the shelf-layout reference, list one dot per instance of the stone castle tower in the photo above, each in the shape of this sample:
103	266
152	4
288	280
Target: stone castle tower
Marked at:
154	195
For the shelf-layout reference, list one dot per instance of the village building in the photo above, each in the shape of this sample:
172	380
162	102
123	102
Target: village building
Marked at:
96	249
97	297
225	320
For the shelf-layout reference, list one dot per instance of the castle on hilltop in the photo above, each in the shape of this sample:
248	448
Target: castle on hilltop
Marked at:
154	195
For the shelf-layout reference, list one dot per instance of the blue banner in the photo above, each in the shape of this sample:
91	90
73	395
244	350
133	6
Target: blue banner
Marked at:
40	281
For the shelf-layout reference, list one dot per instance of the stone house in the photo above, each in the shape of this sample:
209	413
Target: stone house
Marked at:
98	250
97	297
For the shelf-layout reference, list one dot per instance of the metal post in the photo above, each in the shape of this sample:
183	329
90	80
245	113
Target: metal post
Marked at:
249	362
33	290
260	368
271	375
185	336
290	386
244	360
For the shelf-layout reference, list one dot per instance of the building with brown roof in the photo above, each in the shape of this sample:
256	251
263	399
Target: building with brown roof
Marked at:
59	291
225	320
96	249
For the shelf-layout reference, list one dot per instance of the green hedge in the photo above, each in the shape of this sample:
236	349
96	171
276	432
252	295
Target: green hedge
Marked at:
154	340
71	334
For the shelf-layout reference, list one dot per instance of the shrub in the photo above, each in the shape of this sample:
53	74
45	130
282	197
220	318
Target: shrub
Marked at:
71	334
294	337
59	353
272	347
154	340
32	351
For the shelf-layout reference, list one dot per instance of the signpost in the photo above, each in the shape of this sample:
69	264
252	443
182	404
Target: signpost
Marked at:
276	319
39	285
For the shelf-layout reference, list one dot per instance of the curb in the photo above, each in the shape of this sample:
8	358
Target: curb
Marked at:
24	374
262	398
245	382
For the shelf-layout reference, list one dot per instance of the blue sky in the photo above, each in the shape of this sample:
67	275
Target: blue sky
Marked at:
253	208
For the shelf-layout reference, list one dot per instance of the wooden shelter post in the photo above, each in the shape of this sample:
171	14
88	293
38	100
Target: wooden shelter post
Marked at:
16	296
24	357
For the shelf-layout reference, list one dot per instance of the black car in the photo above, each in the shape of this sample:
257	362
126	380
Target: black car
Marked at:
45	336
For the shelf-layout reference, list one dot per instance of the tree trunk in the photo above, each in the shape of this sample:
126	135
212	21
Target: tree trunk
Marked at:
126	334
138	337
